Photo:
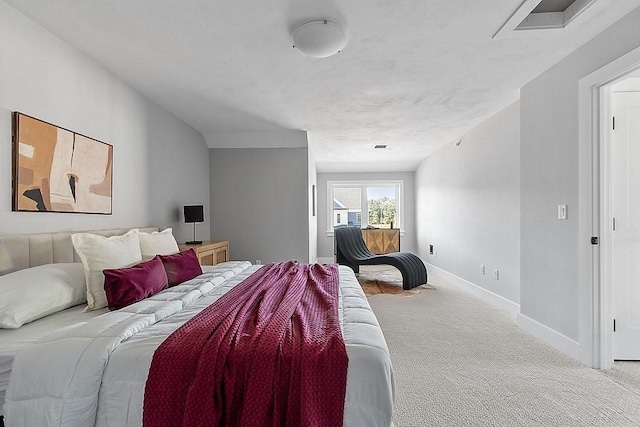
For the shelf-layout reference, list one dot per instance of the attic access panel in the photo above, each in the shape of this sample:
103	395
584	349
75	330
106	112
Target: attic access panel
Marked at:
551	6
544	15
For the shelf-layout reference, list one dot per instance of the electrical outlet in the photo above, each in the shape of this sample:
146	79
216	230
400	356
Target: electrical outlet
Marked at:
482	269
496	274
431	250
562	211
258	261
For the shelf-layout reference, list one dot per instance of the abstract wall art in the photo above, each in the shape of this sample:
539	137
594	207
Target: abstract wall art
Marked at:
57	170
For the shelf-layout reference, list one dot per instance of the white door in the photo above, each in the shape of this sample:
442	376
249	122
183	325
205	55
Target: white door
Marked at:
626	222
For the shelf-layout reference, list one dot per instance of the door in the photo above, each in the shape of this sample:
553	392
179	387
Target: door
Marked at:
625	191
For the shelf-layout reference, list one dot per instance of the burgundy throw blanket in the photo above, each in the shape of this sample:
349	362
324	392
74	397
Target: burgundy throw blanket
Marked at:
268	353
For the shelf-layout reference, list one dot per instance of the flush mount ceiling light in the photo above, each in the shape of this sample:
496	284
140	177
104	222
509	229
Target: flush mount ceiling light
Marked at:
319	39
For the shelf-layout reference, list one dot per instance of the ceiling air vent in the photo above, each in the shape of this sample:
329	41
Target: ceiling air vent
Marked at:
543	15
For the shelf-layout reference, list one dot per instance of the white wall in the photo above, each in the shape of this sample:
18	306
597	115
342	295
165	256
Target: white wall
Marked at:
313	215
407	242
260	203
468	205
550	176
159	162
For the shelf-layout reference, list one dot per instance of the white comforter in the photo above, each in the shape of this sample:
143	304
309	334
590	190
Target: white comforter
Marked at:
95	374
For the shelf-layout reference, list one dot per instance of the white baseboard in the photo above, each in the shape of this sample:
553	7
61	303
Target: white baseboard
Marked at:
549	336
488	296
544	333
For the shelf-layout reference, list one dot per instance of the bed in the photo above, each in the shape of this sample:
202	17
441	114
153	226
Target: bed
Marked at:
112	391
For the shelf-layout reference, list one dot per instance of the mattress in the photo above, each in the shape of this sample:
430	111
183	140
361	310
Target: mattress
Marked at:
12	341
118	384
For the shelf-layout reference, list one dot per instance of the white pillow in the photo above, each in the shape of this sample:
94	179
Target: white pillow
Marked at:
98	253
157	243
36	292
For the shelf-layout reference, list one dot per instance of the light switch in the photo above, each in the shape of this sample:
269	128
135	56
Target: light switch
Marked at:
562	211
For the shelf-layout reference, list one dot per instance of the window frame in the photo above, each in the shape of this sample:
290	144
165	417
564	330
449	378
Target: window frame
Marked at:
363	184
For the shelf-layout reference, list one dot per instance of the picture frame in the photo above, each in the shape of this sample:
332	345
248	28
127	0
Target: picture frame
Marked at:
59	170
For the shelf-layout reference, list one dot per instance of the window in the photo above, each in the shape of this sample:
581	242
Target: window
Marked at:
365	204
347	206
382	206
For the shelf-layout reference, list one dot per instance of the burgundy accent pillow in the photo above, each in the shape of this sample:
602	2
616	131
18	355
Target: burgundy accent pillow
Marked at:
124	286
181	267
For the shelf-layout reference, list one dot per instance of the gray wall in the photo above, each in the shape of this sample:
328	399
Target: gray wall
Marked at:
259	202
178	173
468	205
407	242
159	162
550	176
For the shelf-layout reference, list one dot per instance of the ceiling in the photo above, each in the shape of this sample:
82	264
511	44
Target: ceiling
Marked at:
415	74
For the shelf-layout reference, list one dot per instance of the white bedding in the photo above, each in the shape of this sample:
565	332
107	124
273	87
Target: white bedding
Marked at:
101	366
13	341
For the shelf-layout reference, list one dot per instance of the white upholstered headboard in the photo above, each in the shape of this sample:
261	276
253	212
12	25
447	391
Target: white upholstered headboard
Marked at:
29	250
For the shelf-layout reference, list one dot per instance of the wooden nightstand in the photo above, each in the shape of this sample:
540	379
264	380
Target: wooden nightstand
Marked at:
209	253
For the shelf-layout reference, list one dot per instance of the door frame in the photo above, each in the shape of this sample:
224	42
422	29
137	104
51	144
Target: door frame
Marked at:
594	199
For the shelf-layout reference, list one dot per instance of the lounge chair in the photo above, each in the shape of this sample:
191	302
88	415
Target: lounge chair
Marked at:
353	252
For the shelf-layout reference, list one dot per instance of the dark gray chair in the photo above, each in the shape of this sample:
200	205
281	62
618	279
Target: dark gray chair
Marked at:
353	252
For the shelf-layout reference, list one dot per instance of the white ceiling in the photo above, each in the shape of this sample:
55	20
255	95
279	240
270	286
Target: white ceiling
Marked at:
415	74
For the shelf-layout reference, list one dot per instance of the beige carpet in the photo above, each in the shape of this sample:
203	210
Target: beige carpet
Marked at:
461	362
